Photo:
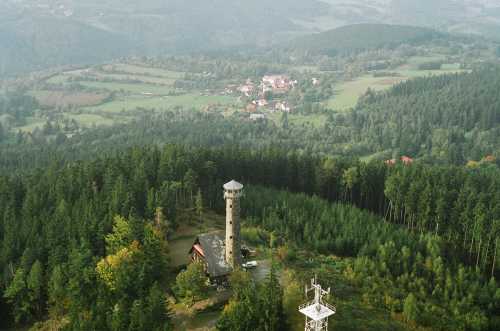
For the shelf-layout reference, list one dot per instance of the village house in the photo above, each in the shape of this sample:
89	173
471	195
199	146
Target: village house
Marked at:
406	160
261	103
246	90
277	83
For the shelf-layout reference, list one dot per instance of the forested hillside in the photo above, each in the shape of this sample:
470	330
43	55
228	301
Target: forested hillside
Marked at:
359	37
454	114
72	237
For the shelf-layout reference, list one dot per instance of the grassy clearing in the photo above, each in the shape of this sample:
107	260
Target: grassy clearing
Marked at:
200	322
144	71
185	234
446	69
128	77
161	103
383	155
88	120
348	93
128	87
31	124
417	60
68	98
58	79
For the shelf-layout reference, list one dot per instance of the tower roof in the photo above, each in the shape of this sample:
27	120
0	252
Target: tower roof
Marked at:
233	186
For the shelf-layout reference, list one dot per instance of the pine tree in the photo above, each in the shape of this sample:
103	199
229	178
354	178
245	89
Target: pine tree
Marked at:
17	294
410	308
36	284
57	292
157	309
199	205
191	283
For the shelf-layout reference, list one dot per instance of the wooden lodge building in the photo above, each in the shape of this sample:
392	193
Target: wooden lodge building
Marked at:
209	249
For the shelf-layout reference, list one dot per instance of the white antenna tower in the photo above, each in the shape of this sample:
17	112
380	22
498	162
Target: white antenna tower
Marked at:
317	311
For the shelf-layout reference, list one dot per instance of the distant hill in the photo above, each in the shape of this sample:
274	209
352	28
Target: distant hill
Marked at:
35	35
33	43
363	36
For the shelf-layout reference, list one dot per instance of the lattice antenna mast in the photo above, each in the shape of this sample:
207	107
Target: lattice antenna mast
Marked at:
319	293
318	310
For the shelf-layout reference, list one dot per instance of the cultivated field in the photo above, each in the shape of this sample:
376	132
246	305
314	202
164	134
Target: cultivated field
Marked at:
109	94
69	98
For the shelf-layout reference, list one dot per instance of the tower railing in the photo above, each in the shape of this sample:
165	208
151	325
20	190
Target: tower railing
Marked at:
312	303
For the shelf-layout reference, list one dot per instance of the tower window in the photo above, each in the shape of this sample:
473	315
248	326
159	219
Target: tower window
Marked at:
230	237
230	252
230	206
230	222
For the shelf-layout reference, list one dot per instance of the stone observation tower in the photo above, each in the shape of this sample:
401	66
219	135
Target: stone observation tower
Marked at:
233	191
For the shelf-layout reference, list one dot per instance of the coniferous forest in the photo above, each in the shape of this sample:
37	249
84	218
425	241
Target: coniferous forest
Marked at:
84	241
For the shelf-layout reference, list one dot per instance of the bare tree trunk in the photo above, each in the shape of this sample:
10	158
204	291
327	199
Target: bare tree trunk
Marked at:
472	239
390	210
485	256
465	234
494	258
479	251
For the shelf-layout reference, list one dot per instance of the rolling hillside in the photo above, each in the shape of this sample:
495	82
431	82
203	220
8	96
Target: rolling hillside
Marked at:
453	117
362	37
33	43
40	34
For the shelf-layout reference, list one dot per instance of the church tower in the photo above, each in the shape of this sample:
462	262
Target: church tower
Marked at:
233	191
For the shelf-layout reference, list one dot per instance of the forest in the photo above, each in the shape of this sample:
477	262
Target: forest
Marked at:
72	236
450	114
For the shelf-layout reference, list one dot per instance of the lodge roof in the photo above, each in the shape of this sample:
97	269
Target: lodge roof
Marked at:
212	245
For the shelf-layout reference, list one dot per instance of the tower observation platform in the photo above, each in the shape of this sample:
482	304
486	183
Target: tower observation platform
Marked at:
317	311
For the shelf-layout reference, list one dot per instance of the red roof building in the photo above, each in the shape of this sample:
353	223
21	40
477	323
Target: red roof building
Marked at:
405	159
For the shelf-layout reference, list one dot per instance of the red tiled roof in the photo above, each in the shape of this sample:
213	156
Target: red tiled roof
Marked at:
406	159
199	249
